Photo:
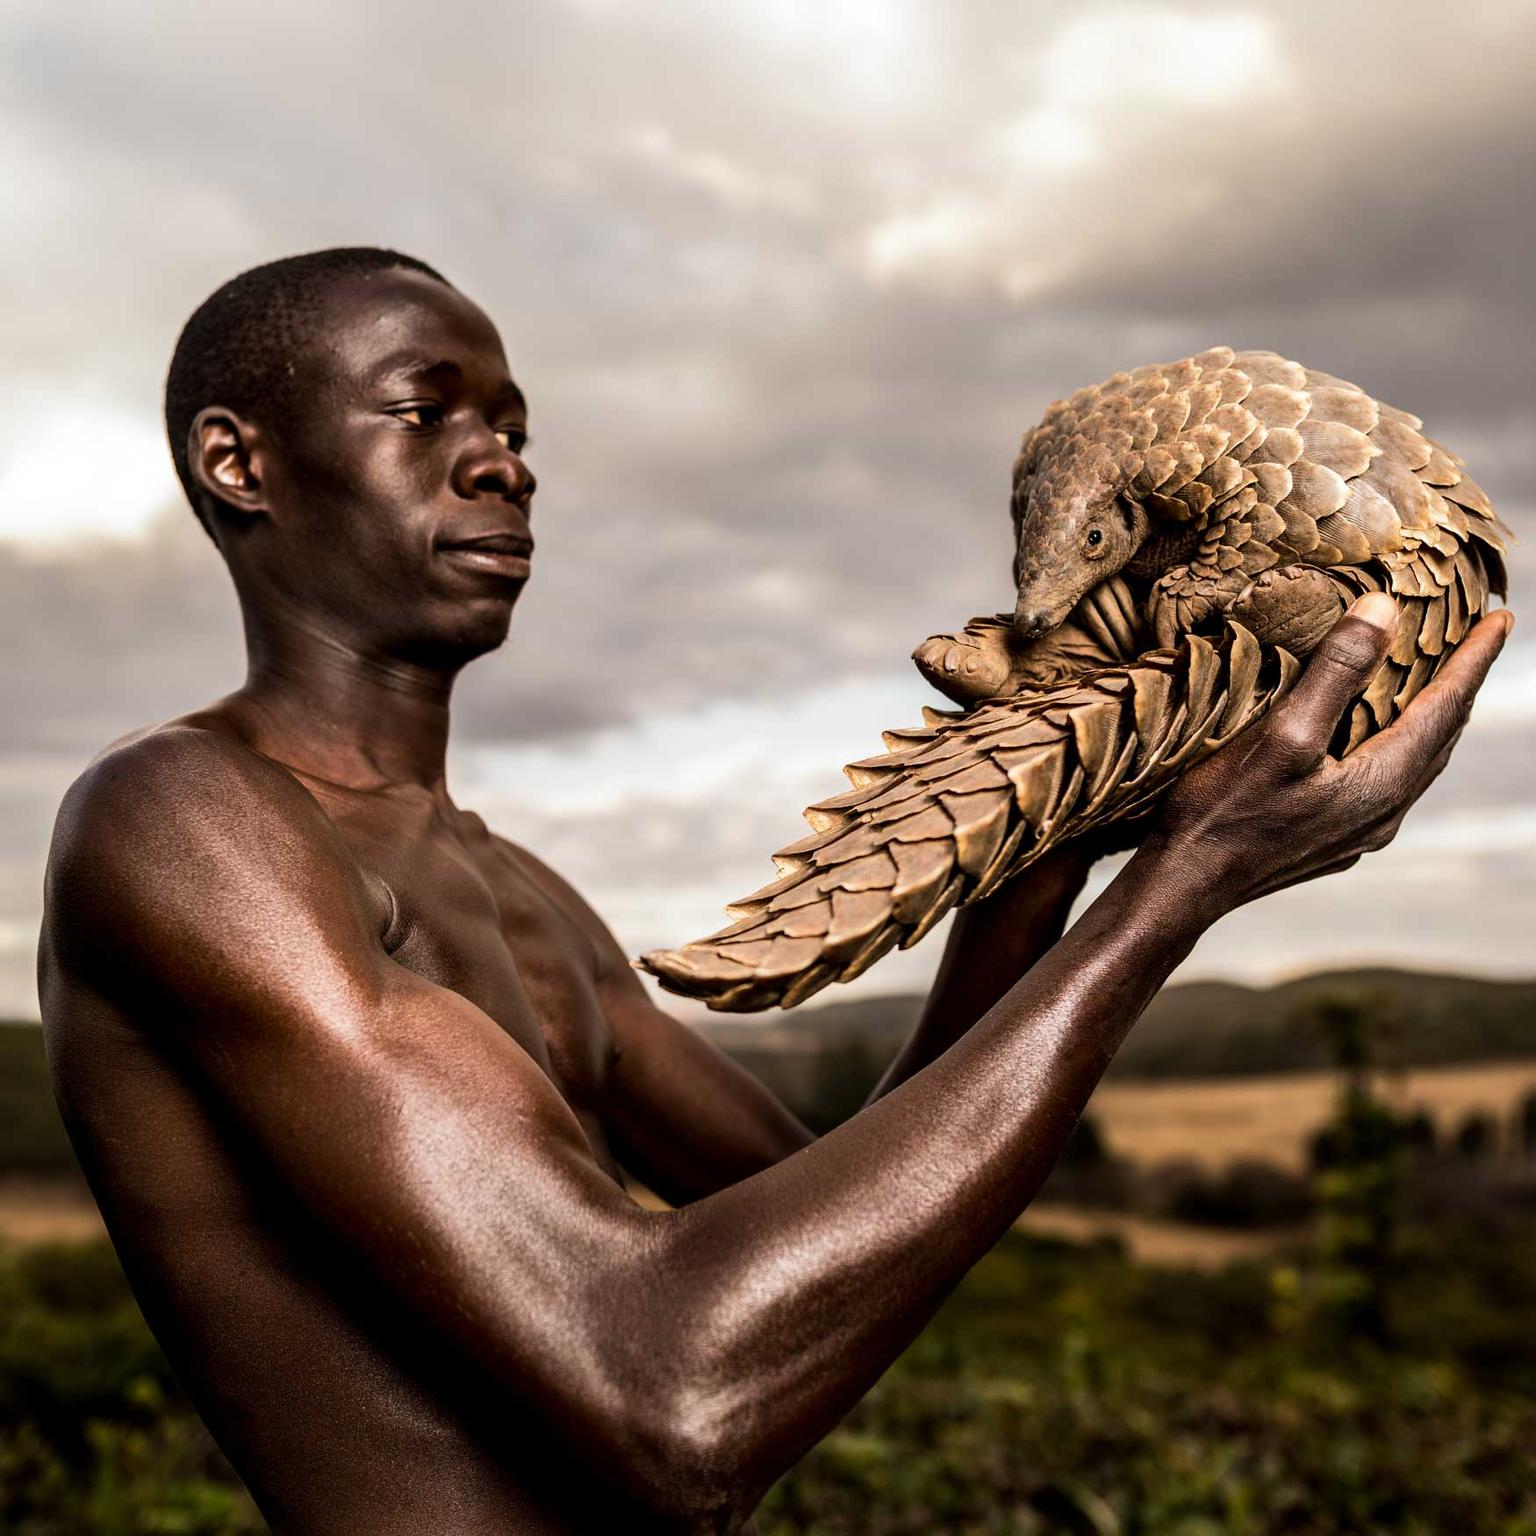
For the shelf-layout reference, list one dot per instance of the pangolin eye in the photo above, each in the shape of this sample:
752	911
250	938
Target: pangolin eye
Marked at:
1095	537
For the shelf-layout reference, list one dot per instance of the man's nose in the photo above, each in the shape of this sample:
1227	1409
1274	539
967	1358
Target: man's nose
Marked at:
489	467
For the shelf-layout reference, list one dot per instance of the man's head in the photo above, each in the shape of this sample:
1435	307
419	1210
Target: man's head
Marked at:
346	428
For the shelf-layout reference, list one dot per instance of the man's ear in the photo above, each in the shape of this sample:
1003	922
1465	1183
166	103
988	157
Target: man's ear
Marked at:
222	453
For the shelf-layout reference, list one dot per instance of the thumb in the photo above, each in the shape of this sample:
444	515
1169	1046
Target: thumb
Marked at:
1336	675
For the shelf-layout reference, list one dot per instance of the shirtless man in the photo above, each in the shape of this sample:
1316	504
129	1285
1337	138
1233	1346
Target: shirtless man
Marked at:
353	1078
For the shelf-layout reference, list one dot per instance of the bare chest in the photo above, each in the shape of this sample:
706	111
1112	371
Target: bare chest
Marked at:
460	909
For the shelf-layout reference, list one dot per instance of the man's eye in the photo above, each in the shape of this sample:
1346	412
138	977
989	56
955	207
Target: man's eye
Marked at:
514	439
425	414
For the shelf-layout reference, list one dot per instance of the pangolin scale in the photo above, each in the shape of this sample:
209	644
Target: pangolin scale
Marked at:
1186	533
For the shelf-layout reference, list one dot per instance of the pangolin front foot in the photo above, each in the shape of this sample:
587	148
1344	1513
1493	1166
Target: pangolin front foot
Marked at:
973	665
988	659
1292	607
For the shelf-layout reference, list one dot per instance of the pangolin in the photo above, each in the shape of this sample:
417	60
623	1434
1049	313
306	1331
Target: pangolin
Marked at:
1185	533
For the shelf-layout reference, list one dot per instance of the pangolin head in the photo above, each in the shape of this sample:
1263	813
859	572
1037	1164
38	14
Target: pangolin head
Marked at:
1154	448
1075	523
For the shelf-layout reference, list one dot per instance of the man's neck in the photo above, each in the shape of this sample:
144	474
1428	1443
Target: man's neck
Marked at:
328	709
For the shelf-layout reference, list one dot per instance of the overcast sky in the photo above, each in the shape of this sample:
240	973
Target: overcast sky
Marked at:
784	281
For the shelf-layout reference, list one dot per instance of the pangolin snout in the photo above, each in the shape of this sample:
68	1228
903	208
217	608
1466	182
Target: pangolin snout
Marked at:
1031	618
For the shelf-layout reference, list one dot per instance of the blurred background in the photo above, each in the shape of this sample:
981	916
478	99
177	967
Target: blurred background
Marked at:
784	282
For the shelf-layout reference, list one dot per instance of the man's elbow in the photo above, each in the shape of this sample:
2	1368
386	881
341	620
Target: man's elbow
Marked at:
694	1461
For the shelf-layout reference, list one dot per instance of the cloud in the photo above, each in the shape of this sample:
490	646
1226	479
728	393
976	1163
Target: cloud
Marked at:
785	281
1507	701
1113	90
1123	59
1192	161
729	181
91	470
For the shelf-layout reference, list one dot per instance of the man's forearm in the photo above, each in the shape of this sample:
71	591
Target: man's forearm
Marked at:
806	1281
991	945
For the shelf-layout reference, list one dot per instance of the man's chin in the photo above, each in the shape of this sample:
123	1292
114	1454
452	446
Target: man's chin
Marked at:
490	625
473	627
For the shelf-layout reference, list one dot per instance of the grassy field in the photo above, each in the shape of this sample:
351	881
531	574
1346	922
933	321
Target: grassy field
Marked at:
47	1211
1219	1121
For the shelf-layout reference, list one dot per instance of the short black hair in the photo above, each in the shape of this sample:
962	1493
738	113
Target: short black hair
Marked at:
237	348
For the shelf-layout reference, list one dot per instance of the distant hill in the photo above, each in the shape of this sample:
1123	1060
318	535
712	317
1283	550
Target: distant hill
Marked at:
32	1139
1218	1029
1197	1029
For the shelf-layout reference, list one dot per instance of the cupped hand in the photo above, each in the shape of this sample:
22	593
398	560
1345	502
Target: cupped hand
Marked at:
1273	808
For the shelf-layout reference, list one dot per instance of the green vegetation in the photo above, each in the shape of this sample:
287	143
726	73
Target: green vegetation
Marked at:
1061	1389
1360	1157
1065	1390
1380	1377
96	1438
32	1140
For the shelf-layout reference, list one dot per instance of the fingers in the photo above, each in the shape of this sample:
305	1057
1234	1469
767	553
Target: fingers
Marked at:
1442	757
1423	735
1341	667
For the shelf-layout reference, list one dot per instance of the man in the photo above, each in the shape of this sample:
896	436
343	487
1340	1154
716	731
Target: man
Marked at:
353	1079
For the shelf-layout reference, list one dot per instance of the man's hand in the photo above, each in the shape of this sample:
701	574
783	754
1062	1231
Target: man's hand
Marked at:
1273	808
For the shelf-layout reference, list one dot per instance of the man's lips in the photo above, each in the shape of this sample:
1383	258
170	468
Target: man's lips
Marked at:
492	544
501	554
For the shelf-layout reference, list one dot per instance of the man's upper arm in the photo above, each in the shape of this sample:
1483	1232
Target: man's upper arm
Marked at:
686	1118
204	893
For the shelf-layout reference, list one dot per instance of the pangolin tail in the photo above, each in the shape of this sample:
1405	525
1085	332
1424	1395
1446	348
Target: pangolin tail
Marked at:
956	807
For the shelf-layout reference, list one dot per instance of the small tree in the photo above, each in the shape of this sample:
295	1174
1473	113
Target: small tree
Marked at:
1525	1125
1419	1134
1358	1163
1475	1137
1085	1147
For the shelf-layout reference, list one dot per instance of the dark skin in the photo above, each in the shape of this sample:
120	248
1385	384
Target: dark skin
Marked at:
354	1079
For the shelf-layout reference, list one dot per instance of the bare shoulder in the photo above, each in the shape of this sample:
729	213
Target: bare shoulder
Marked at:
171	835
170	784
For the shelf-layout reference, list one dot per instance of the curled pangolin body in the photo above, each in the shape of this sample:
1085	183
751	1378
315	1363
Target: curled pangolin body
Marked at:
1262	496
